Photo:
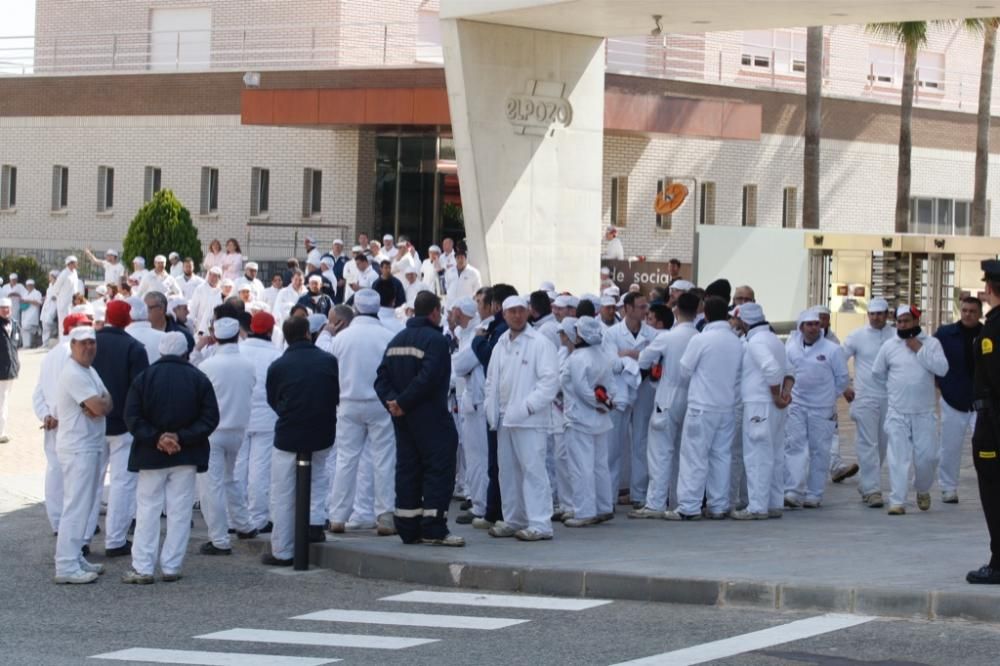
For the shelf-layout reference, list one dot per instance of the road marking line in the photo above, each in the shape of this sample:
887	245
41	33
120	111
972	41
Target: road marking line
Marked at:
757	640
496	600
155	656
315	638
412	619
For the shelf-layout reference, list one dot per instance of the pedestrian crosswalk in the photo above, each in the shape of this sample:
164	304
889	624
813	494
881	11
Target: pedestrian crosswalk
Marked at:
371	640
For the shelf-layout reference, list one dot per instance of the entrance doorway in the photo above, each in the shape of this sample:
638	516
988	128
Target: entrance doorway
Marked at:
416	189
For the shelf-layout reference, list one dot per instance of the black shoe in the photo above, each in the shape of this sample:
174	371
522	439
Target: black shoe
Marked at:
210	549
465	505
984	575
272	561
97	530
85	550
267	529
316	534
230	531
131	528
120	551
465	518
247	535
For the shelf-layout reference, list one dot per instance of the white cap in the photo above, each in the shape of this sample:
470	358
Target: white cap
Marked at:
139	311
568	326
750	313
327	261
434	248
547	286
907	310
158	259
316	278
226	328
244	286
310	240
357	248
339	242
215	269
809	315
112	252
172	344
387	237
29	281
139	260
175	302
71	259
878	305
590	330
466	306
5	302
634	287
83	333
562	301
605	270
12	276
682	285
514	302
102	290
367	301
227	283
607	301
572	302
173	255
252	266
316	322
83	308
613	292
411	270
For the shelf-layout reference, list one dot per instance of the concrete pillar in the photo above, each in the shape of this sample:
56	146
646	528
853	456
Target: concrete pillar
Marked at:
527	113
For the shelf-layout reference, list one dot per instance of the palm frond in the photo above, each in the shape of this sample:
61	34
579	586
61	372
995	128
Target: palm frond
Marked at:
907	33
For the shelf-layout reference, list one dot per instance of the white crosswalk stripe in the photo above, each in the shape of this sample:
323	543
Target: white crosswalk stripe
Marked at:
497	600
317	638
412	619
198	658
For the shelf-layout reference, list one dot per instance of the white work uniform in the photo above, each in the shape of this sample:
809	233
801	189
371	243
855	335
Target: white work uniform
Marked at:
469	381
113	272
44	401
820	372
202	305
587	422
161	282
62	292
256	287
429	276
16	294
414	288
233	377
314	257
711	365
764	366
171	491
31	317
631	440
253	464
362	420
401	262
188	285
80	448
462	284
144	332
870	404
911	423
667	420
521	382
285	301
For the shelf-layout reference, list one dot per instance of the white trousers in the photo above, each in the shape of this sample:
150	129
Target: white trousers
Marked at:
870	441
253	473
764	455
475	451
53	481
460	489
5	387
283	498
955	426
363	424
121	494
912	441
102	472
642	410
158	489
808	433
588	473
663	462
524	482
619	442
220	490
836	462
706	451
80	473
558	456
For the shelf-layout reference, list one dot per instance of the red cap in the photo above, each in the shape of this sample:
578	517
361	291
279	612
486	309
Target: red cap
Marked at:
118	314
261	323
74	320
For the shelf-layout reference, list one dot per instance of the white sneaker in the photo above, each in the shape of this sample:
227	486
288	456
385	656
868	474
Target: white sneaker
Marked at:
646	512
579	522
450	540
357	527
502	530
481	523
95	568
743	514
80	577
949	497
531	535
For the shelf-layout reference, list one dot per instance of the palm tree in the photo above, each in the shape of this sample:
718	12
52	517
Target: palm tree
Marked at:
911	35
814	96
988	29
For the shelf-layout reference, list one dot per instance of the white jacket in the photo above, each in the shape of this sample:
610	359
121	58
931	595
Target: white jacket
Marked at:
233	377
764	365
46	394
667	348
466	283
150	338
67	285
522	381
202	305
188	285
820	372
711	365
285	301
909	376
864	344
262	354
468	372
359	349
582	372
163	283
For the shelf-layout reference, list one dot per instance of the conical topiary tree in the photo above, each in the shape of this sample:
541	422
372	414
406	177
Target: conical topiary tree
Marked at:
162	226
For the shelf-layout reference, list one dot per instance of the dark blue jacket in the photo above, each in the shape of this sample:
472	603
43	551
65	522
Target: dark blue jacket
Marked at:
10	365
338	272
482	345
120	359
170	396
303	388
173	326
958	346
416	370
397	288
321	305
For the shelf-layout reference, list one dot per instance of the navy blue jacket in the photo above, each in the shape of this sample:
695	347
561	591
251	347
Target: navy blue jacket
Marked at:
303	388
10	365
322	304
416	370
120	359
170	396
398	289
482	345
956	386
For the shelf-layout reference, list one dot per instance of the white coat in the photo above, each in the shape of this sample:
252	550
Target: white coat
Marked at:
144	332
429	275
764	365
31	317
820	372
113	273
262	354
459	285
403	261
256	287
189	285
67	285
285	301
46	395
359	349
909	376
521	382
233	377
584	370
202	304
667	348
712	364
468	372
161	282
864	344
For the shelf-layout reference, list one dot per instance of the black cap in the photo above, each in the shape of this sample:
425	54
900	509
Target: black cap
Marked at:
991	269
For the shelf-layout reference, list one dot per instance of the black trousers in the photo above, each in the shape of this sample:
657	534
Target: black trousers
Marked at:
426	450
986	459
494	509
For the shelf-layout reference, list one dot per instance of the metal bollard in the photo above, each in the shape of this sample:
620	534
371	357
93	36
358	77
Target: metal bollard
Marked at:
303	492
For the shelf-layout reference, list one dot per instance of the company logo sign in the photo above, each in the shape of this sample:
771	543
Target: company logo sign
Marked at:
542	108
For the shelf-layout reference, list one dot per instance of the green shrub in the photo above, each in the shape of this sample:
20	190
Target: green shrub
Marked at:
26	268
162	226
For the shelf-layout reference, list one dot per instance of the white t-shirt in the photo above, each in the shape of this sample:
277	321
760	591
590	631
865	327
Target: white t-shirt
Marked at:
78	433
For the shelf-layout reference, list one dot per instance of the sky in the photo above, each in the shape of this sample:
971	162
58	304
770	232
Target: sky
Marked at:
18	18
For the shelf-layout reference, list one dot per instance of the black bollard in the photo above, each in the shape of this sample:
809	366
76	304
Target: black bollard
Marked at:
303	492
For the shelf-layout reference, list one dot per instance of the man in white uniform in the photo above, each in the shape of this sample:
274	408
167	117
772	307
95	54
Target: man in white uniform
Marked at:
908	364
388	248
188	281
233	377
158	279
432	270
31	316
362	421
351	272
614	249
463	280
448	255
82	404
16	292
204	299
249	277
114	271
868	410
469	381
413	286
67	285
289	296
142	330
406	258
176	267
313	255
521	382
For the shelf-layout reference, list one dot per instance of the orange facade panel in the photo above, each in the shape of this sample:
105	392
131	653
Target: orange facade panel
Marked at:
342	107
657	114
385	106
430	106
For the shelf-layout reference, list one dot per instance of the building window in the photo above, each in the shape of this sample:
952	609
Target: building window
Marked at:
707	213
209	190
151	183
943	217
930	70
749	206
105	189
8	187
260	191
619	201
664	221
790	208
428	37
787	48
60	187
312	192
886	67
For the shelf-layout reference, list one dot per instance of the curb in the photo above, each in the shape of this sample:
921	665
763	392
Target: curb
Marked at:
883	602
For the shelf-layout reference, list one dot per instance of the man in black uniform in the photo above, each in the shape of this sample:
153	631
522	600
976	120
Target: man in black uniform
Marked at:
412	381
986	437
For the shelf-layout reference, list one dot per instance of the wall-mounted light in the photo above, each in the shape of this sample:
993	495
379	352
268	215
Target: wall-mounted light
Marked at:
658	29
817	240
251	79
939	243
887	242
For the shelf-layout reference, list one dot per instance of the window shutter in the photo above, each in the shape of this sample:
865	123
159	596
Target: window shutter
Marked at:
317	193
307	181
254	191
55	187
5	187
789	210
147	185
708	203
206	189
102	185
749	205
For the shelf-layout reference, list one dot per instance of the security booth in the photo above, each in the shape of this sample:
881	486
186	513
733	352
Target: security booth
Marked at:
931	272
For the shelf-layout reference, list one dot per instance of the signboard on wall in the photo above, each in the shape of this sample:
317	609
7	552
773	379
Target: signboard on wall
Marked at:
647	274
